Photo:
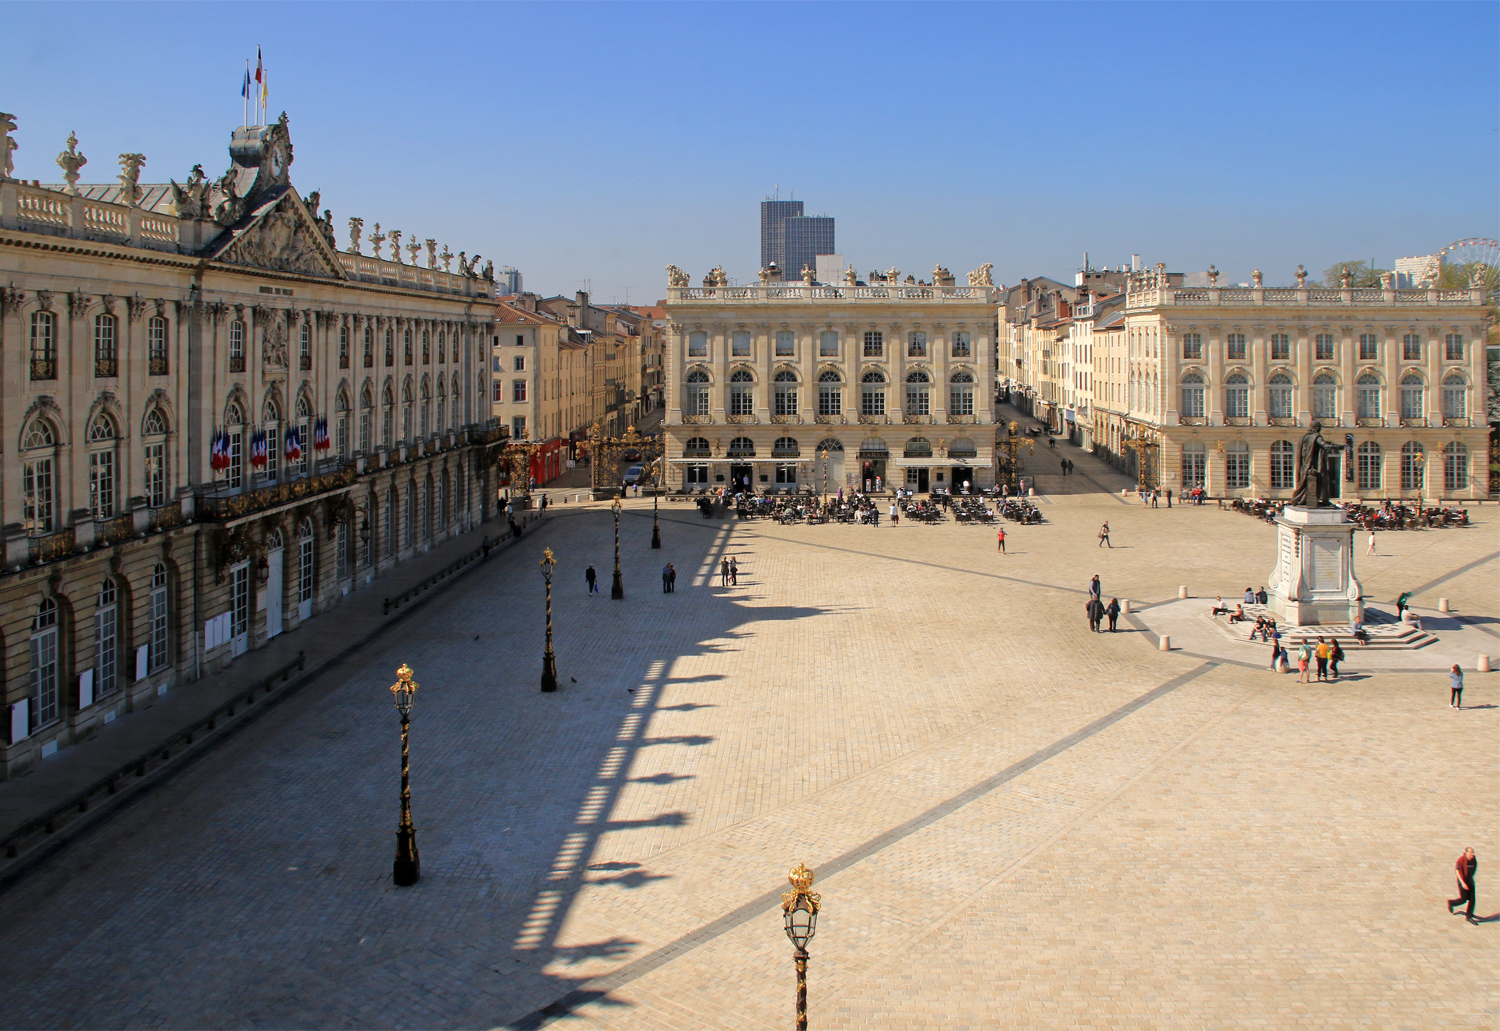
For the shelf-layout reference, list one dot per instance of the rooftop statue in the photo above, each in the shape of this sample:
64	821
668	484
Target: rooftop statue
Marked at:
677	277
8	146
981	275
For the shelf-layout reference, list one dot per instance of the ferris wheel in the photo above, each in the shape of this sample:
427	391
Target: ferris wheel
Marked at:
1462	252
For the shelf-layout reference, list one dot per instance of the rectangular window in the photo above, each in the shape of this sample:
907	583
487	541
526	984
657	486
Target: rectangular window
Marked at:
874	343
786	400
961	345
43	346
273	452
1237	402
1325	401
1455	468
786	474
739	344
916	345
235	472
1411	400
305	558
236	346
518	364
741	401
1454	350
1281	347
1279	401
1283	467
156	346
828	344
304	349
499	391
697	345
1367	396
156	475
341	435
830	400
518	427
1192	400
786	343
1369	347
961	401
1192	347
697	401
1455	400
872	401
44	677
106	649
36	488
917	402
102	484
520	339
1323	347
239	600
1411	347
105	364
369	353
364	429
343	347
341	546
696	475
1368	463
156	652
518	391
1234	347
1237	469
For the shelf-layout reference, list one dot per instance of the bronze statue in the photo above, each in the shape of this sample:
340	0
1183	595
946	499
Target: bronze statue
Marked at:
1314	470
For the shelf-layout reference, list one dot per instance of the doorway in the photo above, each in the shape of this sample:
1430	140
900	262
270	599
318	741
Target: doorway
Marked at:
962	474
741	478
917	479
872	475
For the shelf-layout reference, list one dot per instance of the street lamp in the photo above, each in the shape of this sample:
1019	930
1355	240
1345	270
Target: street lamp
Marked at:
549	661
799	910
617	589
655	517
408	866
823	458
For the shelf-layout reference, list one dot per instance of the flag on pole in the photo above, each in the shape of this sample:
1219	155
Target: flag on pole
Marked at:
258	449
245	89
293	444
218	459
320	434
260	78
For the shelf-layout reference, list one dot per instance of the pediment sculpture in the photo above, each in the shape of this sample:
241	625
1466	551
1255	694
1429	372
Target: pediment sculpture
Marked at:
282	241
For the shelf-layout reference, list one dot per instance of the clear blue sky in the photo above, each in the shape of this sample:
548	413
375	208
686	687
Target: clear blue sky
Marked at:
600	142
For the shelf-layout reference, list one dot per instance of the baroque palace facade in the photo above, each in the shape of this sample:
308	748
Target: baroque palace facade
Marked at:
790	385
213	426
1213	386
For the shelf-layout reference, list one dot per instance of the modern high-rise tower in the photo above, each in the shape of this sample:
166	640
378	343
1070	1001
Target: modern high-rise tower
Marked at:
792	239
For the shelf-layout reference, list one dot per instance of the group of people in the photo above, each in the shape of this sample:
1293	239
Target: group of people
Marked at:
1097	611
1396	516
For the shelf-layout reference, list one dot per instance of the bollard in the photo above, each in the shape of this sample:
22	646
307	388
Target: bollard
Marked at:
1165	644
1483	665
1442	604
1181	592
1125	605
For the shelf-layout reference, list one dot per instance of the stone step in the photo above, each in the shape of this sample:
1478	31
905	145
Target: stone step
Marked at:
1383	636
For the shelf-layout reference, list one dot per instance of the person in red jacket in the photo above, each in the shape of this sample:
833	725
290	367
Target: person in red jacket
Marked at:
1465	866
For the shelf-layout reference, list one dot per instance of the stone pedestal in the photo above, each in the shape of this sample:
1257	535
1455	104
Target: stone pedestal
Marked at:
1313	581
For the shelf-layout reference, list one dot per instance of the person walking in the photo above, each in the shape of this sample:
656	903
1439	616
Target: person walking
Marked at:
1113	612
724	572
1095	612
895	515
1104	536
734	572
1304	660
1321	653
1275	652
666	578
1000	538
1335	656
1456	687
1465	867
593	579
671	578
1094	591
1371	549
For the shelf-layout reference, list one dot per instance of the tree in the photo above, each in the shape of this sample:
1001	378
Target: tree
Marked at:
1361	274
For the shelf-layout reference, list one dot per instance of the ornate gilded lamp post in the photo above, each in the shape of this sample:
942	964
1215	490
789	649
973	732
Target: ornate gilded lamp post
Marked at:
549	661
617	589
408	867
799	910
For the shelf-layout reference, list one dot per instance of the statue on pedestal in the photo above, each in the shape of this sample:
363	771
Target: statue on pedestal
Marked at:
1314	470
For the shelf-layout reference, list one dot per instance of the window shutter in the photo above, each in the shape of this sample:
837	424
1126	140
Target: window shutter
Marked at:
20	721
85	689
140	662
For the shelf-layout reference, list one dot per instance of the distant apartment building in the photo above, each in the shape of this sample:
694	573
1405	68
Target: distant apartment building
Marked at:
792	240
539	381
508	282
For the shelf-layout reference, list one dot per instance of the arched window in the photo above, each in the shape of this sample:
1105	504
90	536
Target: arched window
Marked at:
234	422
786	376
1237	465
1412	393
440	420
1237	396
105	355
872	393
695	396
38	471
1455	467
1455	398
1367	396
306	558
1413	459
43	345
785	447
423	408
961	394
366	416
45	679
271	426
1194	463
786	392
1283	465
154	445
742	447
830	393
102	467
831	444
157	656
156	346
696	447
106	639
1368	461
918	400
1325	396
918	447
390	522
387	413
697	376
1279	396
406	410
1192	397
741	393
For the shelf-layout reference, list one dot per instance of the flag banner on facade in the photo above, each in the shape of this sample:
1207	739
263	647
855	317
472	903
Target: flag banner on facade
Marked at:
218	454
293	444
320	434
258	449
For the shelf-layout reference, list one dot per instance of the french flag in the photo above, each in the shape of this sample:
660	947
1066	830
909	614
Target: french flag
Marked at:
218	453
258	449
293	444
320	435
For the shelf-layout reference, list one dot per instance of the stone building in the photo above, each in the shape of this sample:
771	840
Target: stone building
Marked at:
792	385
541	381
1220	382
214	425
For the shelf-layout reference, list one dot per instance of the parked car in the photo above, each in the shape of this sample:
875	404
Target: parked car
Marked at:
631	454
635	474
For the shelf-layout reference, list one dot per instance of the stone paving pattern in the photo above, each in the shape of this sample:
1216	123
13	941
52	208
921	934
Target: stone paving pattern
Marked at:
1236	851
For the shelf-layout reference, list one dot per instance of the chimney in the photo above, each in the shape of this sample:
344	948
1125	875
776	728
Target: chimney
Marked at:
580	311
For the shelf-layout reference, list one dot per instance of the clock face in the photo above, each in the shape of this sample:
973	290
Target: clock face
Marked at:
278	161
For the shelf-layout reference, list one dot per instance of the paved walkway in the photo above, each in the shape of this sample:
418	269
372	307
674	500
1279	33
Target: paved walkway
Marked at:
1016	823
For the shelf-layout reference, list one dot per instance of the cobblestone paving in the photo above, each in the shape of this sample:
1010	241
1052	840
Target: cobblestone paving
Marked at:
1017	823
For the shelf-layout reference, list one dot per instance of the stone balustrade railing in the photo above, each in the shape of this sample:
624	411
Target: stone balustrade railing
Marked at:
1212	297
39	210
367	269
762	293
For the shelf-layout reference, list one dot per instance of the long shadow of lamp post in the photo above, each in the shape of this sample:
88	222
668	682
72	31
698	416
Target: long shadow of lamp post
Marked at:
408	867
799	909
660	464
617	589
549	661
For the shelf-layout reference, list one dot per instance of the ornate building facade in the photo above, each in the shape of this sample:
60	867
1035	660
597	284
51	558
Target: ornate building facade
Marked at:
1213	386
793	385
214	425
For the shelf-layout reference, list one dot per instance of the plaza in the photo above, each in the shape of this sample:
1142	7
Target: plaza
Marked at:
1014	822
